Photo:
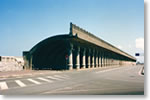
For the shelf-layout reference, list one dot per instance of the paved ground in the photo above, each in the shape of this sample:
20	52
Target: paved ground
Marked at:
115	80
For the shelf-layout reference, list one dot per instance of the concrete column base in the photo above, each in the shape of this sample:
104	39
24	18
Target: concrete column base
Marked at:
92	66
70	67
77	66
89	66
83	66
97	66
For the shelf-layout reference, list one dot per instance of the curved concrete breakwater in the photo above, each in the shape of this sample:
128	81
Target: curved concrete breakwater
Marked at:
79	49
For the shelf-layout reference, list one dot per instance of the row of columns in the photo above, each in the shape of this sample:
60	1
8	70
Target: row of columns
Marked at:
90	58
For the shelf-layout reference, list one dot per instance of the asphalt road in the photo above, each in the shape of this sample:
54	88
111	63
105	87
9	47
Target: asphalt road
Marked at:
110	81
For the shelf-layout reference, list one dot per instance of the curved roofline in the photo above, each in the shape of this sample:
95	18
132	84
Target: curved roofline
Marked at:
52	37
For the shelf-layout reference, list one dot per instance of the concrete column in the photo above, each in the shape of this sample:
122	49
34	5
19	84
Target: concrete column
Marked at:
93	59
115	61
103	61
108	61
120	62
78	58
97	59
111	63
70	58
83	59
89	62
70	64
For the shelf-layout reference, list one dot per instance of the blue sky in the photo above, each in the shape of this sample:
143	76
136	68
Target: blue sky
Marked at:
24	23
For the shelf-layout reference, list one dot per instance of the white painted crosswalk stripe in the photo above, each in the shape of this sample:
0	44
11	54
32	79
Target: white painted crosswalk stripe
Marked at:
21	84
3	86
31	80
55	78
43	79
61	77
38	80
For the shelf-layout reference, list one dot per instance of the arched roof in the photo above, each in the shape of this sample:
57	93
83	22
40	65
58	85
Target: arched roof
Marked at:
48	40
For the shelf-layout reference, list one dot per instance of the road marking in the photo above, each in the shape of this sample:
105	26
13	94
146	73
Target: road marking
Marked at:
31	80
61	76
43	79
107	70
55	78
3	86
21	84
140	72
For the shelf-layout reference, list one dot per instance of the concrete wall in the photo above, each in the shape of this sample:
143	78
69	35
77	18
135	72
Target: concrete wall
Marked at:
11	63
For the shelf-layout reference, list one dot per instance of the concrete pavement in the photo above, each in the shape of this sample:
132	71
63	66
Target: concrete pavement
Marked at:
117	80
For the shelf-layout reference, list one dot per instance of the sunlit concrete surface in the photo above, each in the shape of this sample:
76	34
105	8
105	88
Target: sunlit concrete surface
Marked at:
119	80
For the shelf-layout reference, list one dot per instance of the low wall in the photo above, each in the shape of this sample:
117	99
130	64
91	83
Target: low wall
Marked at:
11	63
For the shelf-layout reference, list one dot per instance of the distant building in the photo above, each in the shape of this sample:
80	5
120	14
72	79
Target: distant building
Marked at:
76	50
11	63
